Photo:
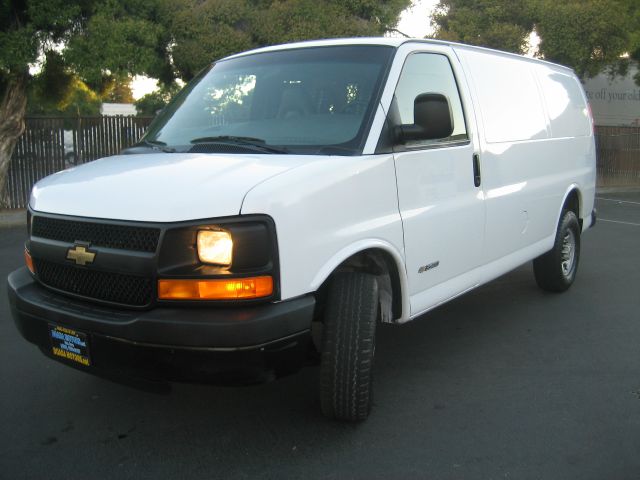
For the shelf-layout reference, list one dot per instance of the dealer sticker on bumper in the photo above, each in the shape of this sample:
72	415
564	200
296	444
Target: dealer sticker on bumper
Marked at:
69	344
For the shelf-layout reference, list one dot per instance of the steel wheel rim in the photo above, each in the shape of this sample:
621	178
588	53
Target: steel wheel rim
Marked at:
568	254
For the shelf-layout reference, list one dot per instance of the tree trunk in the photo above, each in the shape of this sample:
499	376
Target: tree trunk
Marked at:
12	110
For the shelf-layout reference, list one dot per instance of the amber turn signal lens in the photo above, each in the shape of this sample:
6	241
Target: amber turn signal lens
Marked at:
29	261
215	289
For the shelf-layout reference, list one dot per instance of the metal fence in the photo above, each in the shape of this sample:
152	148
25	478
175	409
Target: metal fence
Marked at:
51	144
39	152
618	152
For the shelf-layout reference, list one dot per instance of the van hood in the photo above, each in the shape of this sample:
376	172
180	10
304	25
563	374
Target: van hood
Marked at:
159	187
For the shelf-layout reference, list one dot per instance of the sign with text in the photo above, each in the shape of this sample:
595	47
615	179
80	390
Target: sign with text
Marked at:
614	101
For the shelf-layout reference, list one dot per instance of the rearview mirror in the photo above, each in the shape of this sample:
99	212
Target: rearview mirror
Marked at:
432	119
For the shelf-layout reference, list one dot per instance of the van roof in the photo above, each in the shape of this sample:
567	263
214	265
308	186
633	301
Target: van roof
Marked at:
388	41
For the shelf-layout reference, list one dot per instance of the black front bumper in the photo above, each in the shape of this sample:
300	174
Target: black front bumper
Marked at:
215	345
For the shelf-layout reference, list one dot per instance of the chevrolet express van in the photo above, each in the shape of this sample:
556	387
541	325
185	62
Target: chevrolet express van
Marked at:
291	197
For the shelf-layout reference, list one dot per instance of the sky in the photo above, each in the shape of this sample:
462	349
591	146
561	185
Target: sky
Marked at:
415	21
141	85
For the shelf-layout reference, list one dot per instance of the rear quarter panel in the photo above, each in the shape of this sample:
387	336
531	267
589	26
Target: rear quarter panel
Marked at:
536	145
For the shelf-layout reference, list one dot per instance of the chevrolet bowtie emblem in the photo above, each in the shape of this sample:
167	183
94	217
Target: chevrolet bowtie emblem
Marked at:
80	255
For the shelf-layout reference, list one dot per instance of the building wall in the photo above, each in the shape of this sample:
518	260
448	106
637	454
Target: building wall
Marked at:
614	102
110	109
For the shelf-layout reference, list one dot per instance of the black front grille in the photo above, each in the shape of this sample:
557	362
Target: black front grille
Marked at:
124	237
106	286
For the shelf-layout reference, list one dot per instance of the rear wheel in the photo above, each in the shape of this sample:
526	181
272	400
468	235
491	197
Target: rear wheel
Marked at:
556	270
348	346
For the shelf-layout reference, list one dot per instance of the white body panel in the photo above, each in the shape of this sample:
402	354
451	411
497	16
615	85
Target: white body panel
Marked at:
159	187
325	212
525	119
527	168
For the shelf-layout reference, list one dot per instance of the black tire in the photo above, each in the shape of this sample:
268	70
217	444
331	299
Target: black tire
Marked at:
348	346
553	271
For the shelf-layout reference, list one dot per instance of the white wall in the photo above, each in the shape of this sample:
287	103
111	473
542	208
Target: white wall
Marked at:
126	109
614	102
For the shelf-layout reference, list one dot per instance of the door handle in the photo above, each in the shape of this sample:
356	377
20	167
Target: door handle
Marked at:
477	179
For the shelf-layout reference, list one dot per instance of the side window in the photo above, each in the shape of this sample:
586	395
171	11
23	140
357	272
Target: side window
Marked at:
428	73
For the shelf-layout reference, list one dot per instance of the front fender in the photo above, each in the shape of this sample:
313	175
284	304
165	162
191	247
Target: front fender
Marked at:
360	246
327	210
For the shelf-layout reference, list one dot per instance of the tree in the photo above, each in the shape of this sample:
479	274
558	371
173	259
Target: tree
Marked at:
587	35
116	90
164	39
57	91
206	30
634	21
151	103
36	29
501	24
77	99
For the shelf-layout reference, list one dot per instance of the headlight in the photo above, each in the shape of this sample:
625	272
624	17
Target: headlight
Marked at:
215	247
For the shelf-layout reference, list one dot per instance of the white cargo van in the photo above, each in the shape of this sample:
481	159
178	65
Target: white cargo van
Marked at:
291	197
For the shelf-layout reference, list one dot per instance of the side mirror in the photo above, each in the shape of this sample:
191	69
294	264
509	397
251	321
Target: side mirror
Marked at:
432	119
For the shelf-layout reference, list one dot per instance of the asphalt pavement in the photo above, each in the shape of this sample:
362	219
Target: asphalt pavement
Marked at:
504	382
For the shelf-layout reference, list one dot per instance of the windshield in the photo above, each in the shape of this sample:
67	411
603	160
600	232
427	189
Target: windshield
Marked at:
308	100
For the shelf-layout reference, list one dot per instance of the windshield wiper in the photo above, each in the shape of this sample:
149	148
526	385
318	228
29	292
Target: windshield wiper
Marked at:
157	145
250	142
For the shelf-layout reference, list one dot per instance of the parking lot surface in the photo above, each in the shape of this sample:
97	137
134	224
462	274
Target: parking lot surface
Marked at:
504	382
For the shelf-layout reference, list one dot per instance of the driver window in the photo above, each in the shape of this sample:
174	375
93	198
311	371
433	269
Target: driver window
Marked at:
428	73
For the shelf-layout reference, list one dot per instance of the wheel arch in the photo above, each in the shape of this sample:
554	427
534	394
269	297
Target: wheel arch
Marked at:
572	200
379	258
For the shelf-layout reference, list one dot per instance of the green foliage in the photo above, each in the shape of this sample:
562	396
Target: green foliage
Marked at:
633	13
587	35
119	38
79	100
151	103
51	84
57	91
116	90
29	28
206	30
501	24
170	39
384	13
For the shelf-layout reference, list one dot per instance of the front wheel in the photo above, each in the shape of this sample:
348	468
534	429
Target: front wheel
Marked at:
348	346
556	270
